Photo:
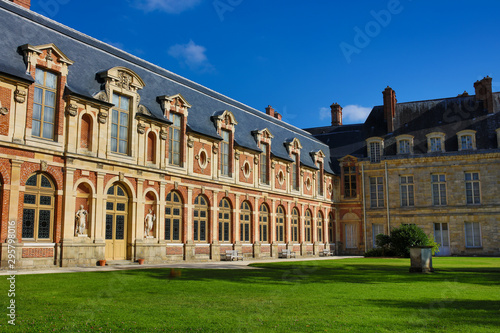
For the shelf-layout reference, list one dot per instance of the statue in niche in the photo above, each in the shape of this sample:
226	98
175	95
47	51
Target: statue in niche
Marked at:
148	224
81	221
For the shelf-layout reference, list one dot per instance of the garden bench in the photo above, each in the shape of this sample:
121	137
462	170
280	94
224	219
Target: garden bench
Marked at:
232	254
286	254
325	253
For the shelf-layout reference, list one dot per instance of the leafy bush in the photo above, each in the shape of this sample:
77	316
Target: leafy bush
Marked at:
399	242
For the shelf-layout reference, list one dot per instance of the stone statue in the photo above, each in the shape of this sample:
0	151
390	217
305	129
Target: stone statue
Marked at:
148	223
81	221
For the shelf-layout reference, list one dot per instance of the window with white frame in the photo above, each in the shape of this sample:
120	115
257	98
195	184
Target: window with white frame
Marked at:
466	140
375	151
407	191
472	188
377	192
435	142
120	124
295	172
438	189
472	234
44	104
224	153
404	144
174	140
264	164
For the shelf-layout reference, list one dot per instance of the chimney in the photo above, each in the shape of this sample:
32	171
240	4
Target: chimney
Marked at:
484	93
270	110
389	108
336	114
277	115
23	3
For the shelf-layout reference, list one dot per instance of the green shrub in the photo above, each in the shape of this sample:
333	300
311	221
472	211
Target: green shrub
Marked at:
399	242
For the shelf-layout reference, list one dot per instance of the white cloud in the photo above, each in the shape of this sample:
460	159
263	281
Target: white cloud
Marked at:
192	55
168	6
351	114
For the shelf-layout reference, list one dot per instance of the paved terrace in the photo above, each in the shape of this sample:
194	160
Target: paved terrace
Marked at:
120	266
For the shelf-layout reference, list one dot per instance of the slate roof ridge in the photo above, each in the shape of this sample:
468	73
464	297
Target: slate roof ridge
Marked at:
101	46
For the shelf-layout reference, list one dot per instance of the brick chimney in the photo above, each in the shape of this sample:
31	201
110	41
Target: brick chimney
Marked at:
336	114
389	107
24	3
277	115
270	110
484	93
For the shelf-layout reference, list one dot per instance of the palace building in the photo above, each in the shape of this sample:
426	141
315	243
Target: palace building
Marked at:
104	156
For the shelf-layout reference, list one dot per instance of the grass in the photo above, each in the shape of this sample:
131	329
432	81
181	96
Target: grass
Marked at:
351	295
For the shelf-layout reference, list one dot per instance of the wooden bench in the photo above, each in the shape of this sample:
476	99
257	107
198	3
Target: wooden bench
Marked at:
286	254
231	255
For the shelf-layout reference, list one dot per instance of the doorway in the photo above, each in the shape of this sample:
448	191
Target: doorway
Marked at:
116	223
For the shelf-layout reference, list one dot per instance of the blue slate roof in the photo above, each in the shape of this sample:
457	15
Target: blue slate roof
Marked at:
91	56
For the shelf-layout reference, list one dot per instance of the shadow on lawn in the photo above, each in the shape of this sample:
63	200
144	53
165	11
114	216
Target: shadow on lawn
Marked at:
461	312
311	272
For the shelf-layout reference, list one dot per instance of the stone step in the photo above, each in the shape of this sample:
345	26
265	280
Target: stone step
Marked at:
121	262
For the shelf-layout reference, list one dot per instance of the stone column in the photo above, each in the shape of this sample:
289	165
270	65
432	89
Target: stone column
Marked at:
256	234
236	224
189	246
69	206
272	231
215	247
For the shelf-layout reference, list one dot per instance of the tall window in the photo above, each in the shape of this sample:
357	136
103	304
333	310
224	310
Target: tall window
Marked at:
200	219
264	224
295	225
377	229
472	234
120	124
224	221
319	223
44	104
350	184
264	173
376	192
407	191
295	173
224	153
38	208
350	236
174	140
319	178
173	217
438	190
245	222
375	152
472	188
307	226
280	224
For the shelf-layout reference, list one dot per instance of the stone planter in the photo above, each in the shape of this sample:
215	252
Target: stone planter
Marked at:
421	259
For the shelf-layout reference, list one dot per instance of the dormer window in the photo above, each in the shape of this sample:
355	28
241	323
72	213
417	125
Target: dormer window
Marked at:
435	142
120	124
404	144
375	147
44	104
224	153
226	124
264	165
466	140
263	139
174	139
294	148
319	158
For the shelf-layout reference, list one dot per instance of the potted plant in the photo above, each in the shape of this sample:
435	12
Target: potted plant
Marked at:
102	262
141	261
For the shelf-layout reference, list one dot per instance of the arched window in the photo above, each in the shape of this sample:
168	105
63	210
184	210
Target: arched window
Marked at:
173	217
86	132
307	226
264	223
319	224
245	222
151	152
224	221
280	224
200	219
295	225
117	226
38	208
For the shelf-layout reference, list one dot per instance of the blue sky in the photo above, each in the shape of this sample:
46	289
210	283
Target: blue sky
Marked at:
298	56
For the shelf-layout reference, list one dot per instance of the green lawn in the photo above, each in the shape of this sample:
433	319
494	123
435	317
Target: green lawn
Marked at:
351	295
